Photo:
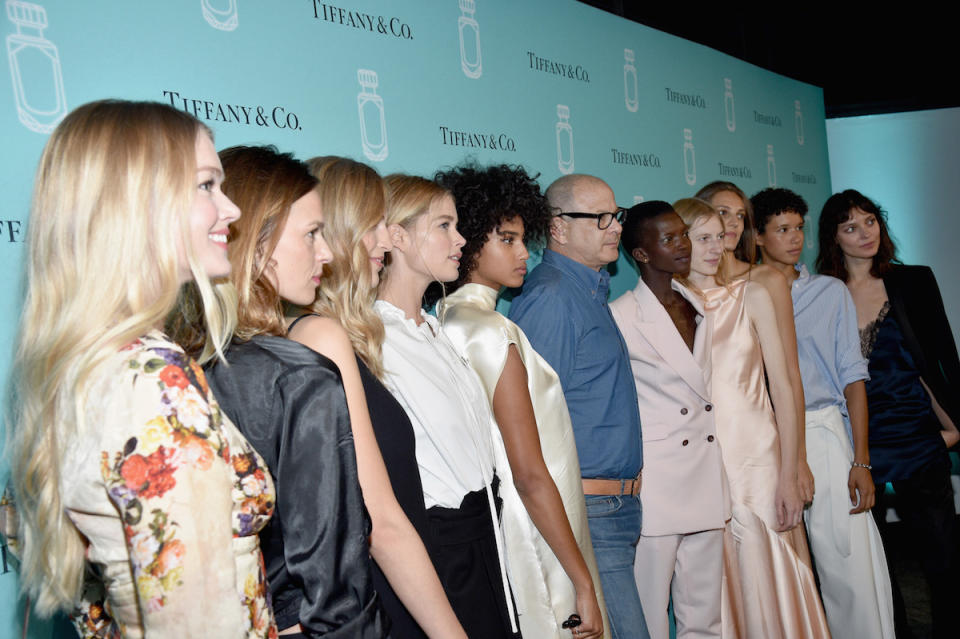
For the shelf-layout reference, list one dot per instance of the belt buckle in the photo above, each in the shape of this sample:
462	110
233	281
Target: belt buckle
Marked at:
634	485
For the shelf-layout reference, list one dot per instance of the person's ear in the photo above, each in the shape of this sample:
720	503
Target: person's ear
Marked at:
640	255
558	230
398	237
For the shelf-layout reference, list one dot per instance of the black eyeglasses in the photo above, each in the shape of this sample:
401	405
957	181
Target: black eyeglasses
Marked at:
604	220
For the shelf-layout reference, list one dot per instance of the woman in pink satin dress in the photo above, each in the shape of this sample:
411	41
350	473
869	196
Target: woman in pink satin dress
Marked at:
769	590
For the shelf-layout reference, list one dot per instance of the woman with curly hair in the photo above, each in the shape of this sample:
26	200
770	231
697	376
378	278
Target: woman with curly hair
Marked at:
551	560
139	501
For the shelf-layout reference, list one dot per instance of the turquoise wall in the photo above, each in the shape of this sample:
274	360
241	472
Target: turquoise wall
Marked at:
415	86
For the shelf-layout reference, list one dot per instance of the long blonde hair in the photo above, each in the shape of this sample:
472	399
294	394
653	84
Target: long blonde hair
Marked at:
353	200
693	210
111	206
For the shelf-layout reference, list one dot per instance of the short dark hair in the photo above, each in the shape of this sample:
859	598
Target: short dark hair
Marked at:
774	201
635	223
838	209
488	196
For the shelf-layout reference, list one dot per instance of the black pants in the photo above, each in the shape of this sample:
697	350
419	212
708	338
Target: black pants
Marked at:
464	552
924	503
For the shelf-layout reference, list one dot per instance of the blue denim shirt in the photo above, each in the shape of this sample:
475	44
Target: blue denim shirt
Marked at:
827	340
563	311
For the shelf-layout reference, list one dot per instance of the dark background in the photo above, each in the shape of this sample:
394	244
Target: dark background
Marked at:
870	61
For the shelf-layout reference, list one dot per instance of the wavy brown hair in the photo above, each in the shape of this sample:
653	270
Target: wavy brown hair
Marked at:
839	209
264	183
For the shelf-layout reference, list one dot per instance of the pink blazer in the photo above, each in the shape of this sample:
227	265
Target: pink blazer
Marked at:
684	486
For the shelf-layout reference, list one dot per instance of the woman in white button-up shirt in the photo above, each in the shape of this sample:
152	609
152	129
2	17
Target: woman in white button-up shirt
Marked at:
447	406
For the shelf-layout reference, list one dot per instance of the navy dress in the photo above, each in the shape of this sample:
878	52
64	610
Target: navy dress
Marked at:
906	449
904	431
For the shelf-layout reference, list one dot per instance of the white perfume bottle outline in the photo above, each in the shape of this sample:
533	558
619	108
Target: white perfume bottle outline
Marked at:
472	66
637	199
564	140
224	19
631	98
689	158
771	167
41	118
798	121
370	106
728	110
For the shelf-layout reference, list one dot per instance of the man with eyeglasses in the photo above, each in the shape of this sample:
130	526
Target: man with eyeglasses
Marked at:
563	310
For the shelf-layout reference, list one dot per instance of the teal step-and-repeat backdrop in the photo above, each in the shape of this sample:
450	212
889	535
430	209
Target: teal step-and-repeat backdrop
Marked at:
554	85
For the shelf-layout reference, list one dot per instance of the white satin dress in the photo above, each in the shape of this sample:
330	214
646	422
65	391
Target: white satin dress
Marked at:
544	595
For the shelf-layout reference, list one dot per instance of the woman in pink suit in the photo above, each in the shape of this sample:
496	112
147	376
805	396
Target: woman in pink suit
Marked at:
684	492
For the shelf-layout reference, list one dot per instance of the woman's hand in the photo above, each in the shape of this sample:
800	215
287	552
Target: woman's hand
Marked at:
805	481
950	437
861	481
591	621
788	503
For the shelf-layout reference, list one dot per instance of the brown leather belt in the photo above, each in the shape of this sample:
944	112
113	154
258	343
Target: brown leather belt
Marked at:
613	486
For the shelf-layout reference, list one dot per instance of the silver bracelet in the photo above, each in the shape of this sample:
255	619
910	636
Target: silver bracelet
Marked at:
859	465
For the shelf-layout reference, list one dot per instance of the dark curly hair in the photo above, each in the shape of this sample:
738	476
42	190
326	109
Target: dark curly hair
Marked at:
839	209
774	201
486	197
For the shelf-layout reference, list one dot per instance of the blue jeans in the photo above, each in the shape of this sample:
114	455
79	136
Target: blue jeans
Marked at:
614	529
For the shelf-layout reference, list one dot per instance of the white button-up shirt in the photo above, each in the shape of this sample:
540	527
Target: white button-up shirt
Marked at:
445	401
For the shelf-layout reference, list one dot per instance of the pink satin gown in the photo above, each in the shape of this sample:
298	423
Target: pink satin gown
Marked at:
769	590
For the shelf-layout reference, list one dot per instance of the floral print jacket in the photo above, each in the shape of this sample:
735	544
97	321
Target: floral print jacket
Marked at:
170	497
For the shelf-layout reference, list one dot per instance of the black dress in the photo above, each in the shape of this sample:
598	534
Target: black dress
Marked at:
288	401
397	443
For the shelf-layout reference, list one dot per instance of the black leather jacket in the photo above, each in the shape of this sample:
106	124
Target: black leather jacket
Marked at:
288	401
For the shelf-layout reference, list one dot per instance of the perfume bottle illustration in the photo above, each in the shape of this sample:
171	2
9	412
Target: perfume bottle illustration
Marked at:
771	166
689	161
470	57
220	14
637	199
34	69
373	124
798	121
728	105
630	81
564	140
